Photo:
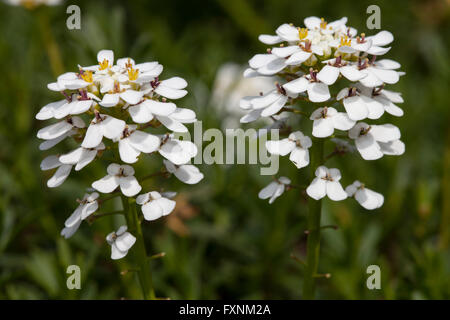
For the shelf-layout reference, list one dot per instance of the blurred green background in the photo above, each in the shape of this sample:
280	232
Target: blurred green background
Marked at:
222	241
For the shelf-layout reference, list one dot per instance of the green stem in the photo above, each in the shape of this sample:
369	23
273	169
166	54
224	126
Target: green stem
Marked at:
313	242
140	253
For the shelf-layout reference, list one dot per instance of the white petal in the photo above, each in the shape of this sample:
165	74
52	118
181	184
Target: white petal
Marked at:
385	132
60	176
274	107
318	92
160	108
74	218
387	64
107	55
47	111
284	52
341	121
170	92
88	209
370	80
387	76
87	157
188	174
152	211
382	38
268	191
273	67
131	96
269	39
116	253
266	100
317	189
172	124
394	148
69	232
328	74
175	83
297	86
106	184
110	100
352	73
356	108
281	147
323	127
72	157
112	127
50	162
278	192
125	241
375	108
298	57
184	115
93	137
140	113
54	131
260	60
369	199
287	32
335	191
368	148
167	205
129	186
144	142
127	152
300	157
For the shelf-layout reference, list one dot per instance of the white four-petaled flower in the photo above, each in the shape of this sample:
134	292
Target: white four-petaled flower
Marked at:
296	144
118	175
121	241
367	198
274	189
326	183
154	205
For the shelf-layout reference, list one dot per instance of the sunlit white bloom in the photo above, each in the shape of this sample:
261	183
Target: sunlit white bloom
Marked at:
383	97
296	54
69	81
48	144
146	110
177	151
61	128
372	141
128	96
118	175
88	205
367	198
274	189
326	183
358	105
186	173
102	126
317	91
132	142
296	144
172	88
155	206
81	157
267	64
174	121
378	41
270	103
121	241
330	72
60	175
379	72
327	119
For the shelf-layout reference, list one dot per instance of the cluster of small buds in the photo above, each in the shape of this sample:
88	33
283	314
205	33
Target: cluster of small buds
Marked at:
310	61
119	102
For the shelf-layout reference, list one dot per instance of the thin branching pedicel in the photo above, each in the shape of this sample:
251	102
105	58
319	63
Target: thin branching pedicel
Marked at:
108	110
330	75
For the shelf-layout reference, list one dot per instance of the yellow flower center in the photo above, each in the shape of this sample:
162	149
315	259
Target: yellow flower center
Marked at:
133	74
345	41
323	23
302	33
86	76
104	64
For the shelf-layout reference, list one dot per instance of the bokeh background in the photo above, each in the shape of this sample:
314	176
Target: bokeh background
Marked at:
222	241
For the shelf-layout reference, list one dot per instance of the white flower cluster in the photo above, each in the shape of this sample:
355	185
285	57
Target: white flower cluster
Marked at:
118	102
311	61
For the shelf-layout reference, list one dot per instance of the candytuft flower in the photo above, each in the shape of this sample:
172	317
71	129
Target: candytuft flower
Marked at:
367	198
121	101
121	241
274	189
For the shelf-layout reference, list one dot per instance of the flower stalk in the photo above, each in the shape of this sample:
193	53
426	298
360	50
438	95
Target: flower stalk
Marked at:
140	252
313	222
